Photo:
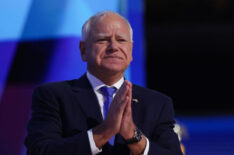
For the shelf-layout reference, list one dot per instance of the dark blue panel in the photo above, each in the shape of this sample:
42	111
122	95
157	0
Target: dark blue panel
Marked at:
7	51
211	135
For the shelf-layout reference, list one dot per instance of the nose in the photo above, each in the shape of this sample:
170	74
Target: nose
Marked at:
113	45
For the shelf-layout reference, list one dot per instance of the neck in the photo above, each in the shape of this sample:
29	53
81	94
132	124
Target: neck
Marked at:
108	78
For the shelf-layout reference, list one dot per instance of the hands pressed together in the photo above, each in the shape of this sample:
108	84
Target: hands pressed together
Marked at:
119	120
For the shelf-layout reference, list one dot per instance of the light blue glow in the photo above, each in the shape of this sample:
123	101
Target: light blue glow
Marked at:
77	12
50	19
13	14
39	19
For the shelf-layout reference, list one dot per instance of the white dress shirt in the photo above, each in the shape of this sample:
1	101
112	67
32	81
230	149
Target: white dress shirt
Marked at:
96	85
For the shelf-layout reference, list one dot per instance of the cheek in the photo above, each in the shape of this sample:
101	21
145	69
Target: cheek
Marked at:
98	51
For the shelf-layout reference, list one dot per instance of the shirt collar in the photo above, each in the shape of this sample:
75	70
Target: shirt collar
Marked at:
97	84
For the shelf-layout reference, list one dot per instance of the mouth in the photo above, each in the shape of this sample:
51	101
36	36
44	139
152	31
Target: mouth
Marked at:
113	57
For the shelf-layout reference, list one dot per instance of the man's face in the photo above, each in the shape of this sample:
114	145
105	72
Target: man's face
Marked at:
108	48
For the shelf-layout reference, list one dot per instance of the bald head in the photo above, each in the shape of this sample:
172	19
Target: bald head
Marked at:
86	28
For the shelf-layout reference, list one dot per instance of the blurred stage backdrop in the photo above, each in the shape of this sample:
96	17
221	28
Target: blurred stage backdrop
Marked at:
39	43
182	48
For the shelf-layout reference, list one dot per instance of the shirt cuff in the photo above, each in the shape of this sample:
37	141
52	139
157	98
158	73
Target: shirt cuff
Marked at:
146	151
94	149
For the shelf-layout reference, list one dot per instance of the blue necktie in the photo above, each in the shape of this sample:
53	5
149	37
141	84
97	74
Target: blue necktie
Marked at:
107	93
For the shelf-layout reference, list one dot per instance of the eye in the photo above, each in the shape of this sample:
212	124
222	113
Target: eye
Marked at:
102	40
122	40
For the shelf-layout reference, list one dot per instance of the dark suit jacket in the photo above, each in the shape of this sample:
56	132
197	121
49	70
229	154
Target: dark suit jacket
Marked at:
62	113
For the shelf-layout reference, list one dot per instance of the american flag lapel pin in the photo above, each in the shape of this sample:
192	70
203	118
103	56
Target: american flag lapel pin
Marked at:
135	100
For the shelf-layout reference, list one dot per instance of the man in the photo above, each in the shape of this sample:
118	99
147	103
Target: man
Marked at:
73	117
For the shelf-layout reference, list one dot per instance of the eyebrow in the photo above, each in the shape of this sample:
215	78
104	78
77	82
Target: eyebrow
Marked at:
102	35
106	35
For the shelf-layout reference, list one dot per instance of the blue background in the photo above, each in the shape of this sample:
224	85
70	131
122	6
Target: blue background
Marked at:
39	44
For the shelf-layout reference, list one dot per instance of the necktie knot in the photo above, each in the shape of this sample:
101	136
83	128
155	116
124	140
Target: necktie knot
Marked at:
108	91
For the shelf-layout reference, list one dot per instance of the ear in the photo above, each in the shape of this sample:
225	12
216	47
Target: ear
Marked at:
131	50
83	50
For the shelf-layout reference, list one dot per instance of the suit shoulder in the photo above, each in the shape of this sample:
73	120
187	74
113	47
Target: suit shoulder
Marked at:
61	85
53	84
150	93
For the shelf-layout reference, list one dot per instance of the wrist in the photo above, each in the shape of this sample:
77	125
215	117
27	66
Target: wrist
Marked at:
128	132
139	147
135	138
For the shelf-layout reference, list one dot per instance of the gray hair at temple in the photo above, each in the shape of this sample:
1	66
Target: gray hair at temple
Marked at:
87	25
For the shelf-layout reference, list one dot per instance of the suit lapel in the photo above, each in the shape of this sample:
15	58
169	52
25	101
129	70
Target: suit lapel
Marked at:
136	106
87	100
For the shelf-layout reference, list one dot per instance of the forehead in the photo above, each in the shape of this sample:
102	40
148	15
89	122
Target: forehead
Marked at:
109	23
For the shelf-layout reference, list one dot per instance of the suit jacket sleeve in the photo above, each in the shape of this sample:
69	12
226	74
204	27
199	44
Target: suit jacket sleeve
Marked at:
45	135
164	140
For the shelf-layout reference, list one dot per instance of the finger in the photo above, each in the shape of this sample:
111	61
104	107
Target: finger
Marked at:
124	104
122	93
118	108
119	102
121	90
128	108
129	104
123	86
130	90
